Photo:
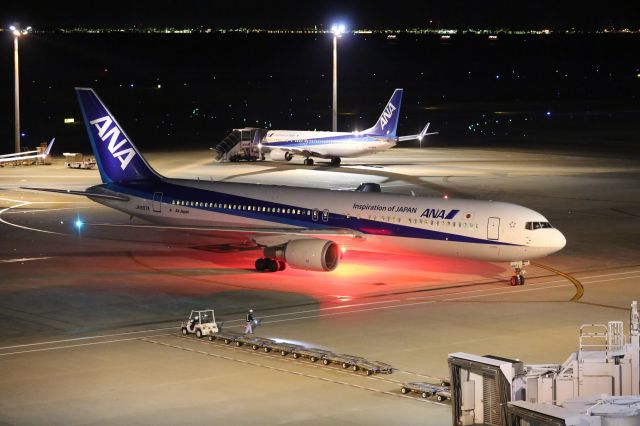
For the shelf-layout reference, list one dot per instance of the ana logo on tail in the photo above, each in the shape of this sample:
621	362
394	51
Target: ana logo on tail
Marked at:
386	114
117	150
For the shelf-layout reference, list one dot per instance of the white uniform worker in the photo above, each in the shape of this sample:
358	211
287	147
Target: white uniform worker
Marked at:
250	321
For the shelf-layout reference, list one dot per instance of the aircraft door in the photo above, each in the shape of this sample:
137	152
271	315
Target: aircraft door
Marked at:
314	215
157	202
493	228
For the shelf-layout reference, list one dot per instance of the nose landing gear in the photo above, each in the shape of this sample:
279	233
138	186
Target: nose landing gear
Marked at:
519	272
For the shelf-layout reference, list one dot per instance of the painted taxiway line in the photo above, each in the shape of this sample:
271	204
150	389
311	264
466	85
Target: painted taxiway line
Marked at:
24	203
48	210
76	339
57	348
25	259
578	285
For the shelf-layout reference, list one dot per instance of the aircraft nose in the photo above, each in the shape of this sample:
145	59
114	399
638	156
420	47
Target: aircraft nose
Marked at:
558	241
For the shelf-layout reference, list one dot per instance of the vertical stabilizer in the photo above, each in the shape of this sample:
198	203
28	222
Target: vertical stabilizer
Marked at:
388	121
117	158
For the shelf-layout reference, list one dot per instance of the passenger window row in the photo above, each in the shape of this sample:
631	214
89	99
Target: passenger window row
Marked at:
443	223
229	206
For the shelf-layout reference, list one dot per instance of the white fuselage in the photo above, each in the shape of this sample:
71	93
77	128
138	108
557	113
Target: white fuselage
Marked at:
326	144
474	229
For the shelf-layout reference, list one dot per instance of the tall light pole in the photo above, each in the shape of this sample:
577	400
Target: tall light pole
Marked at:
337	31
17	32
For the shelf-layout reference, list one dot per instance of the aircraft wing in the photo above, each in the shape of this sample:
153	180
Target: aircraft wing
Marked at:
261	236
419	136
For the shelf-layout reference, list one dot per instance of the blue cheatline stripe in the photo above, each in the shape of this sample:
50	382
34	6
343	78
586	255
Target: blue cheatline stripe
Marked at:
323	141
173	192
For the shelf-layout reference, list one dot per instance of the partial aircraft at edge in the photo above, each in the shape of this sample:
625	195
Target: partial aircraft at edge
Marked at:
301	227
27	155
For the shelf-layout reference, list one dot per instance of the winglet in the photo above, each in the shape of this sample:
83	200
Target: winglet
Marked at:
48	150
424	133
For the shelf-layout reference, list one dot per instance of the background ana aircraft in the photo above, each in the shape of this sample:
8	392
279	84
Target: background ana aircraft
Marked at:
282	145
27	155
301	227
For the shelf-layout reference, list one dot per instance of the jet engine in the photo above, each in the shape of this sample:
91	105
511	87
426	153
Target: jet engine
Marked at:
309	254
280	155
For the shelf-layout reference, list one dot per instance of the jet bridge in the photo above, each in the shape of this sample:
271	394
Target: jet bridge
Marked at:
601	379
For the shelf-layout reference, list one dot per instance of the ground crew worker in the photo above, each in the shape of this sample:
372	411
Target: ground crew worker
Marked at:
249	327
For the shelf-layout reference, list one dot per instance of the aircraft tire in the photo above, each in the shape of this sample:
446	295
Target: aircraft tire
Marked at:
272	265
261	265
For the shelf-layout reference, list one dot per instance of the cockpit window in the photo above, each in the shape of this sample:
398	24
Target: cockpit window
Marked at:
537	225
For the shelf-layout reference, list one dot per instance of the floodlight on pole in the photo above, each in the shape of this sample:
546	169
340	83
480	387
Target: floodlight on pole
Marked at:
337	30
17	32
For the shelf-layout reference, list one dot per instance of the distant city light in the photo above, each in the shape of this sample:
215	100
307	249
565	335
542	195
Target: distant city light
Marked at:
69	120
497	77
548	114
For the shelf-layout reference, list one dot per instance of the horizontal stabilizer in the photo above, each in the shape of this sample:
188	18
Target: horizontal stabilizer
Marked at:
419	136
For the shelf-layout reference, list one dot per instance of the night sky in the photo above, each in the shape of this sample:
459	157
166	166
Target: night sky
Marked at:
277	14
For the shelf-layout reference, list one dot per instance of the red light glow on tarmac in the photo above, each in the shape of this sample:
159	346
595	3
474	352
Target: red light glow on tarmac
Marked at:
360	274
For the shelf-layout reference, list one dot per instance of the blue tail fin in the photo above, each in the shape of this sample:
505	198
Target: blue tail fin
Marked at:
388	121
117	158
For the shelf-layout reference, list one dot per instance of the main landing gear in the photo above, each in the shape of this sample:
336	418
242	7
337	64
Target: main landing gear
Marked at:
270	265
335	161
308	161
519	272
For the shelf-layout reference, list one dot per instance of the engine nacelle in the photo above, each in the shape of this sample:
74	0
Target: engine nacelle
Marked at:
309	254
280	155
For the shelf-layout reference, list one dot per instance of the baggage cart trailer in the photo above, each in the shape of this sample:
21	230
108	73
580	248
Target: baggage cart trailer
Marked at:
313	354
343	359
255	342
226	336
283	347
371	367
426	390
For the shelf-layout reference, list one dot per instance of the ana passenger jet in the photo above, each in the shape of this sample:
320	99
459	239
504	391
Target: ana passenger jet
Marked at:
282	145
300	227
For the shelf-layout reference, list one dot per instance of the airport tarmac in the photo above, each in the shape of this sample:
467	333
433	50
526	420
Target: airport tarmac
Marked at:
89	319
